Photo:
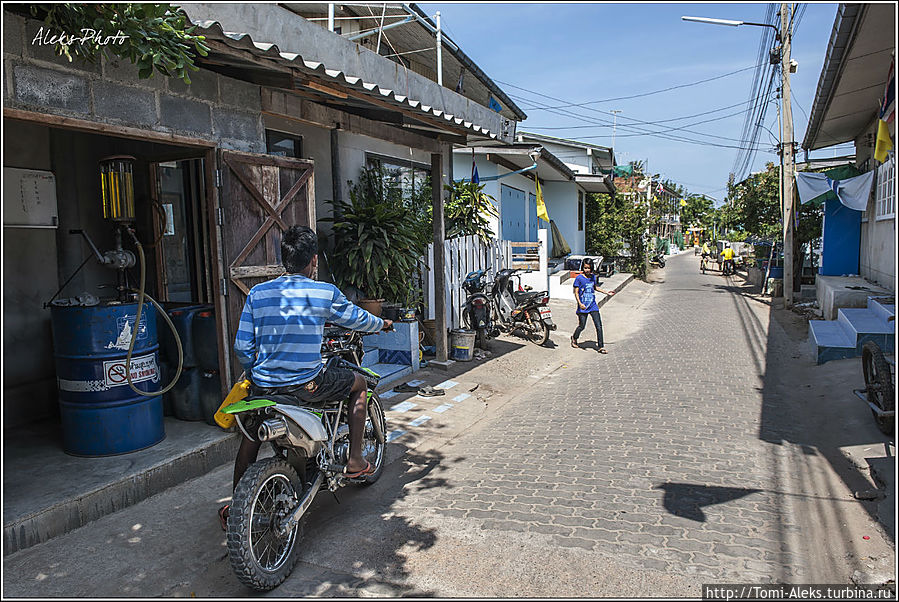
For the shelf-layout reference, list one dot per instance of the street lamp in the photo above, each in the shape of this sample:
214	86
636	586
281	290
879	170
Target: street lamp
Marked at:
783	35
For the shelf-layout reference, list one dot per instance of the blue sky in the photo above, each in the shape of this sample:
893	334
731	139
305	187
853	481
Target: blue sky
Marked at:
583	52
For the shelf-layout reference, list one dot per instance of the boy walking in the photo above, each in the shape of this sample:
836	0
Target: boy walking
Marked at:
584	285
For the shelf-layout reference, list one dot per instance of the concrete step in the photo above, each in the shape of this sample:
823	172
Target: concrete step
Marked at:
883	307
390	372
831	341
863	325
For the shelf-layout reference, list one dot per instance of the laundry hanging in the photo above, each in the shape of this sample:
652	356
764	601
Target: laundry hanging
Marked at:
852	192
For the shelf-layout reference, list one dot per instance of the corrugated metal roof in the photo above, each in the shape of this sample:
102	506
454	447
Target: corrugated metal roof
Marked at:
213	30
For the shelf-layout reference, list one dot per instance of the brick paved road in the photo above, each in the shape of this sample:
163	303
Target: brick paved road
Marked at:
650	454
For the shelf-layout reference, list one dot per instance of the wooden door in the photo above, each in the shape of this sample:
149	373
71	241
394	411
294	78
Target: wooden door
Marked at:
261	196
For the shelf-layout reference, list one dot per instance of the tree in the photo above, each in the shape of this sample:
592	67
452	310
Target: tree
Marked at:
698	211
754	204
152	36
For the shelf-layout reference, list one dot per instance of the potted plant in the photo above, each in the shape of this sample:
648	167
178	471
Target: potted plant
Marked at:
376	247
467	210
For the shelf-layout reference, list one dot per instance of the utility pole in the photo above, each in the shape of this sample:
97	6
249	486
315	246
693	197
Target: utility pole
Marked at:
439	51
614	126
785	29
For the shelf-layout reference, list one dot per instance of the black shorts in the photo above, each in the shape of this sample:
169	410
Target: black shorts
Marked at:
328	386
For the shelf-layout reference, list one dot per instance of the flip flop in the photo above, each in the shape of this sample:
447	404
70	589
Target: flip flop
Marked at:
369	469
405	388
430	392
603	350
223	516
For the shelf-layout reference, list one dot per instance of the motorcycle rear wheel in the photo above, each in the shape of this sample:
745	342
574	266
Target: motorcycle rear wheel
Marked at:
481	339
541	335
267	492
878	384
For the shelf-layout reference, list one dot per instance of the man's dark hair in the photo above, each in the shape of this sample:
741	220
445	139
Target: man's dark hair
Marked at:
588	261
298	246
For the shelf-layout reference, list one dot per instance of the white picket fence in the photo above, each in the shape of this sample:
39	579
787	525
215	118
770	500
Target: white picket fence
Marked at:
462	256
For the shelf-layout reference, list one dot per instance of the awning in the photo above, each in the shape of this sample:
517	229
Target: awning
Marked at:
854	74
595	183
265	64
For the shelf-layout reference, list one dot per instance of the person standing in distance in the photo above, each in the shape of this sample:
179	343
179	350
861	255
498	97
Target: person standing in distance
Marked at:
584	286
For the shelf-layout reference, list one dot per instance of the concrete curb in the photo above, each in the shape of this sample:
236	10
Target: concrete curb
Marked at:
128	490
617	288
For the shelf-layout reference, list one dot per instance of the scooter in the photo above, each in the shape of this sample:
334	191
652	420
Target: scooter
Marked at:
519	308
657	259
476	313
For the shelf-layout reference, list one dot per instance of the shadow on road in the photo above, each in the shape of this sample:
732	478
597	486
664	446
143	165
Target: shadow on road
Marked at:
687	499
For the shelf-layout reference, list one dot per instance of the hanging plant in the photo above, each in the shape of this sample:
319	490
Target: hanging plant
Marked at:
467	210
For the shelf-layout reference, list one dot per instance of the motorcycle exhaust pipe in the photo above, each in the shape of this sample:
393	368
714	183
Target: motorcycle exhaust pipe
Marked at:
272	429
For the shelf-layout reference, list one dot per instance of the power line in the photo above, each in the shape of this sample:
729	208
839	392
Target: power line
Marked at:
584	104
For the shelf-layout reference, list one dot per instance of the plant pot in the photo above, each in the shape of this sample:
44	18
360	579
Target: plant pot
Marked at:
372	306
406	314
390	311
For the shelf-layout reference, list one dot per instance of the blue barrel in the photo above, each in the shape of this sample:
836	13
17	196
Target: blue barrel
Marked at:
205	339
101	414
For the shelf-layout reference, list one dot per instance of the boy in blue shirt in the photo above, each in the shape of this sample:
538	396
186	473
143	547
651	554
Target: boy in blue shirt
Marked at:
584	285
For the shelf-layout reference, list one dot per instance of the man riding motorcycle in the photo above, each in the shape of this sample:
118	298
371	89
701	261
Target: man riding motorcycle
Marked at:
279	341
728	255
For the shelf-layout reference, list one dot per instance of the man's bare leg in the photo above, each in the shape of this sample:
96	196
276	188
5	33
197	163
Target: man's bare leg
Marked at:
358	405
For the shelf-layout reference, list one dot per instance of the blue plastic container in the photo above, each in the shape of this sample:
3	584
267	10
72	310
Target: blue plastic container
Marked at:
183	318
211	397
101	414
206	339
185	395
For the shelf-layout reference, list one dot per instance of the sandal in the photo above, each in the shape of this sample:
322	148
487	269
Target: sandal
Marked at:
224	511
574	343
369	469
603	350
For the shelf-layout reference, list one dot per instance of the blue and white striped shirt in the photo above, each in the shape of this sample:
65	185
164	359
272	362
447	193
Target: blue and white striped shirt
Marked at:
279	338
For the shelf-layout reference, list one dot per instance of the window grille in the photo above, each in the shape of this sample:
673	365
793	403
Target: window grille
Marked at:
885	192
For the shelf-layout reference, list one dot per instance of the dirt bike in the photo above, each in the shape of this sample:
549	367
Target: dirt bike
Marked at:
311	446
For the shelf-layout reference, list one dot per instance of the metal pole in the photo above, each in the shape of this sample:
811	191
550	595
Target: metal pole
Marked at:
439	258
614	125
330	16
439	52
788	157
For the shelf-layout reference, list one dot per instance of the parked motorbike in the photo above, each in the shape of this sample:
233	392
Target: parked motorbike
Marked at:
510	307
476	312
657	259
311	448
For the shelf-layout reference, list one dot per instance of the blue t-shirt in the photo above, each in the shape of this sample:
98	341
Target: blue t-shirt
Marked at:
584	286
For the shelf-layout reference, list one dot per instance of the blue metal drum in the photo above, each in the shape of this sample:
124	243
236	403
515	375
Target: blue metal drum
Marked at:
101	414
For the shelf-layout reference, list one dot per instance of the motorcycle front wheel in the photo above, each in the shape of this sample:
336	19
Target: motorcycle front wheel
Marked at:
374	446
540	334
268	491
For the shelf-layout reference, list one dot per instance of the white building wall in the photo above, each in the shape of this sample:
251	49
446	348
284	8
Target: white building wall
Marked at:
877	253
574	157
561	204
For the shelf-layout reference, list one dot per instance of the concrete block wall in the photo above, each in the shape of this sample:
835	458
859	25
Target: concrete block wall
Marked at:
212	107
399	346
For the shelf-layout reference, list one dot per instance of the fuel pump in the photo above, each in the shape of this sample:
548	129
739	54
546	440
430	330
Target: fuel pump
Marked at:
99	417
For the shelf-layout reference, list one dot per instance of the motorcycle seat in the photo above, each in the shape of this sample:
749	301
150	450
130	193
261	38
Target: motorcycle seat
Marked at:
524	295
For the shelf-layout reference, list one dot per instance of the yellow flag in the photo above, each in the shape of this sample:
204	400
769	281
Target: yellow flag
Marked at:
541	206
884	144
683	203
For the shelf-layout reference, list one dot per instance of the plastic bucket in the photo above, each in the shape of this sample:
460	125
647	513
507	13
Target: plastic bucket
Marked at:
463	345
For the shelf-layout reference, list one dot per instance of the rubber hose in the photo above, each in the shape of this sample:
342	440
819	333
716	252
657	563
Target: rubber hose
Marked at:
140	305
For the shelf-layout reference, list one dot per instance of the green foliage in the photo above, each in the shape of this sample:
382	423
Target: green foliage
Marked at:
612	222
467	209
697	212
157	37
755	204
377	239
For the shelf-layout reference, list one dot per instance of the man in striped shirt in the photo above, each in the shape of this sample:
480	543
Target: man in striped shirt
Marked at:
279	342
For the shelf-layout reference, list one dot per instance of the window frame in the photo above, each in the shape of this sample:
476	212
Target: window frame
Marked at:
296	138
581	213
885	190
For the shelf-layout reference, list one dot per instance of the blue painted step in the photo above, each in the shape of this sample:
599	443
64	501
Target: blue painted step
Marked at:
883	307
863	325
391	372
831	341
